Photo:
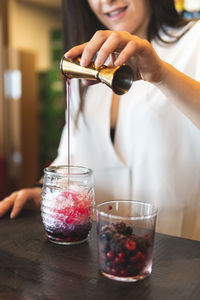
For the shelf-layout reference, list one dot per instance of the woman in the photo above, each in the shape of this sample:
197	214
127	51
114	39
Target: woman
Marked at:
154	153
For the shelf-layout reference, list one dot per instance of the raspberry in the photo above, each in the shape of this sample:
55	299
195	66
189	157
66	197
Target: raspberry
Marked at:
117	260
108	269
130	245
114	271
138	257
121	255
110	254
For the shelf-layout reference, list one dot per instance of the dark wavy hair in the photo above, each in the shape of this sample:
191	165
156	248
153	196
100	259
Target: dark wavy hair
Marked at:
80	23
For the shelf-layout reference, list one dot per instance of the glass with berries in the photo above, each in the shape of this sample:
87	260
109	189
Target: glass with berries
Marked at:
125	232
67	204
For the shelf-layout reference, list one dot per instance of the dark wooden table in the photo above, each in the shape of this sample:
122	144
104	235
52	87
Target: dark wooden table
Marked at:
33	268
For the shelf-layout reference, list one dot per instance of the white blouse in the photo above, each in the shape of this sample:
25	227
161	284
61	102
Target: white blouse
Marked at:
156	152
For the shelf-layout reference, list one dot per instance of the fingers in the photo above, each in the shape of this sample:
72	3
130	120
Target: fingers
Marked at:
34	200
88	50
25	196
126	53
133	47
75	51
110	45
128	47
104	43
17	200
93	46
6	204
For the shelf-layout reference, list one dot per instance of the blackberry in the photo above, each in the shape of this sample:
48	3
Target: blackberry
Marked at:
142	244
120	227
129	230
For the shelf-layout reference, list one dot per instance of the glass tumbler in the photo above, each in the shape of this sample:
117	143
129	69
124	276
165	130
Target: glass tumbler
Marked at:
67	203
125	230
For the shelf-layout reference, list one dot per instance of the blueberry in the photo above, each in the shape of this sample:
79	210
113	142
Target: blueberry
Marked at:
106	236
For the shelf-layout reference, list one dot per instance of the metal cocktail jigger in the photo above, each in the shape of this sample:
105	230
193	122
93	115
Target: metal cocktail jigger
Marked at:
119	78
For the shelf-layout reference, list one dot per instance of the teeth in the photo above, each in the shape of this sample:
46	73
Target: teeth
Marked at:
115	12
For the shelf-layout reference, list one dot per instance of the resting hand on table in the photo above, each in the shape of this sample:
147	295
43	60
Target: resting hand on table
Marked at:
25	198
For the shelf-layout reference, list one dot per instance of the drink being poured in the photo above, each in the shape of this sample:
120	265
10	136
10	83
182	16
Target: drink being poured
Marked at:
67	197
68	191
68	120
67	204
119	79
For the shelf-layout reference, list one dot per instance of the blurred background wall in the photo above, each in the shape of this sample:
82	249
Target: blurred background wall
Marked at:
31	22
31	90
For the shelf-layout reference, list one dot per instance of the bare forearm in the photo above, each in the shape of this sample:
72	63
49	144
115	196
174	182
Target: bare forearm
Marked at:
183	91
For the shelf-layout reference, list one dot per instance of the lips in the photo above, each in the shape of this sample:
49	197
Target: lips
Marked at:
116	12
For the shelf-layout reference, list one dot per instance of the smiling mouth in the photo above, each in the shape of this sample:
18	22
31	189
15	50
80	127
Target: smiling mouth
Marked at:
116	12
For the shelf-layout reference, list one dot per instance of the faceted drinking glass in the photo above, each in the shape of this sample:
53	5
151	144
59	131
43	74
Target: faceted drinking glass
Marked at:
67	203
125	230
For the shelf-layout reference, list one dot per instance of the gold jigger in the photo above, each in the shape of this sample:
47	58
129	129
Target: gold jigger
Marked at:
119	78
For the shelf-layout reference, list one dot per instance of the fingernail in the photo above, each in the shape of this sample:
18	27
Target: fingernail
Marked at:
83	62
12	216
117	62
98	62
66	55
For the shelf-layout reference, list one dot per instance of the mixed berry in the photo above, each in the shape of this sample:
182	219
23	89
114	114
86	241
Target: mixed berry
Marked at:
68	216
123	253
70	233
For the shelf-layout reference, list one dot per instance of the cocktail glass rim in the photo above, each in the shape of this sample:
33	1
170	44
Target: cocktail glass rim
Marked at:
142	217
82	170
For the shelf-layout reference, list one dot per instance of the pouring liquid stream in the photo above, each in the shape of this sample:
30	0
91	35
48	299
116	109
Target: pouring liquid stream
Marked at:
68	126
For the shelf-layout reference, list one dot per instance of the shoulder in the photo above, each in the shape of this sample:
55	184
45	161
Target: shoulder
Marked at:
193	28
190	35
170	34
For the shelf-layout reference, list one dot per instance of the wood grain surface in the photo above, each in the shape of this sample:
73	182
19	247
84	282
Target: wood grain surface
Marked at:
31	267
